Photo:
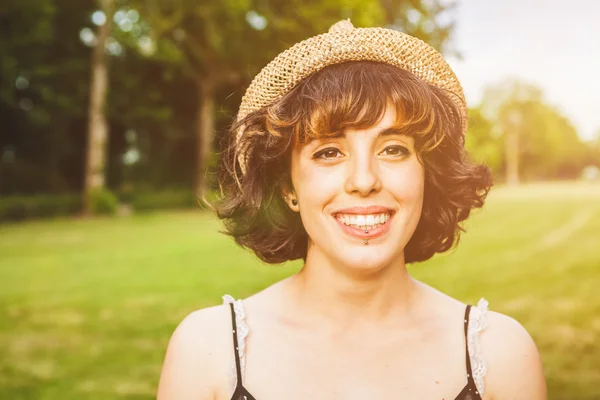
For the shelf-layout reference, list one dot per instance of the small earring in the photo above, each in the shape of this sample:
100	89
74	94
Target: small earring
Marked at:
295	202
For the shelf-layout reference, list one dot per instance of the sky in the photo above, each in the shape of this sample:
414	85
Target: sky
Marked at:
550	43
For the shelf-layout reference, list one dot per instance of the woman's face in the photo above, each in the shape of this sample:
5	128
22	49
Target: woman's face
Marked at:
364	185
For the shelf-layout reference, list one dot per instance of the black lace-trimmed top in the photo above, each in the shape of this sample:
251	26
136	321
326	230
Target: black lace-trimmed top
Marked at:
474	322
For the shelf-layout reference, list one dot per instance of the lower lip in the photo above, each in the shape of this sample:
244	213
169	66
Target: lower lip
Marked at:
360	234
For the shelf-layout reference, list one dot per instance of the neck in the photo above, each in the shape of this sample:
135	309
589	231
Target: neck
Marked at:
343	295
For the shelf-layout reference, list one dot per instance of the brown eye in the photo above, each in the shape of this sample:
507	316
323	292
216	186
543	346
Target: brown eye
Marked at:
327	153
396	151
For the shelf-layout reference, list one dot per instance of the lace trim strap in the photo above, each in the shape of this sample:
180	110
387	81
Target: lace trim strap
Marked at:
477	322
241	333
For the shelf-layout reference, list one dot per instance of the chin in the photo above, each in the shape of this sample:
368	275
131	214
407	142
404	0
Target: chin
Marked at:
367	258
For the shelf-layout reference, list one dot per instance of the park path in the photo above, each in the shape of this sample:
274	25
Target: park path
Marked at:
562	233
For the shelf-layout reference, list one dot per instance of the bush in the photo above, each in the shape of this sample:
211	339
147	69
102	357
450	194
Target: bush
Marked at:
166	199
103	202
27	178
17	208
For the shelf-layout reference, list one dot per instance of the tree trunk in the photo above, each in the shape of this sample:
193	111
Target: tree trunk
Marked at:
97	126
512	157
205	124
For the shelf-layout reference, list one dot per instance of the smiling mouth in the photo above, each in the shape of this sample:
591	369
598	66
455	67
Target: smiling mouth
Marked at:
364	222
364	226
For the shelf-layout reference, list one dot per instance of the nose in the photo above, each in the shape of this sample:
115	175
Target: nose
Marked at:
363	175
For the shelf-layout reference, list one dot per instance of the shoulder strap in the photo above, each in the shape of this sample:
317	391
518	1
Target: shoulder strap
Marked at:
238	368
468	356
475	322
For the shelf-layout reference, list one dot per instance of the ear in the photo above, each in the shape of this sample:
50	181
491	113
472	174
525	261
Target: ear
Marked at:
290	198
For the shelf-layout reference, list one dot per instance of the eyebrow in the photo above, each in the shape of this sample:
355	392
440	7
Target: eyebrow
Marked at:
384	132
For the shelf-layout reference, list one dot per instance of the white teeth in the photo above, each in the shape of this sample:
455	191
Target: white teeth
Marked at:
369	221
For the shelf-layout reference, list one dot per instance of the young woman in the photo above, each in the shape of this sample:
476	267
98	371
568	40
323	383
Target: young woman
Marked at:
348	152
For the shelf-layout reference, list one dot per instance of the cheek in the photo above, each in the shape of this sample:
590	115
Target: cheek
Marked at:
316	190
315	184
407	184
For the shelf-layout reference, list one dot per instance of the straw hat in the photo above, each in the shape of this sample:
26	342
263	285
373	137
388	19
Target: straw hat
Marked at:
343	42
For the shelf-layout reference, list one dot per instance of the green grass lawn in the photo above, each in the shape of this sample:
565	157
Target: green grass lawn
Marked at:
87	306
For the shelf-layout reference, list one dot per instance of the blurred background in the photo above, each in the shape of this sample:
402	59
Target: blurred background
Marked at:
111	112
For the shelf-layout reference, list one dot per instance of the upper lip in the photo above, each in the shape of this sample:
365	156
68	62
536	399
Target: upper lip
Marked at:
364	210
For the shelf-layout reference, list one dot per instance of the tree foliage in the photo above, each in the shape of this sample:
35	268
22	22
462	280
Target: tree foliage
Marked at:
548	144
44	76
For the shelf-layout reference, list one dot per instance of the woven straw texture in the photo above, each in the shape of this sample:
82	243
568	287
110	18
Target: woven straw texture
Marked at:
344	43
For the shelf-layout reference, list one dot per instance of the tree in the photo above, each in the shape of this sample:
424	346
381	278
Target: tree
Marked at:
196	31
97	129
539	142
44	71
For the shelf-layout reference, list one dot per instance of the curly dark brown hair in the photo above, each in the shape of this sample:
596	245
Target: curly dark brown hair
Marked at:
354	95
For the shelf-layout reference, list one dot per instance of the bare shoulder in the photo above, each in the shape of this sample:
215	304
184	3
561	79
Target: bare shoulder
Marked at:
196	362
514	368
